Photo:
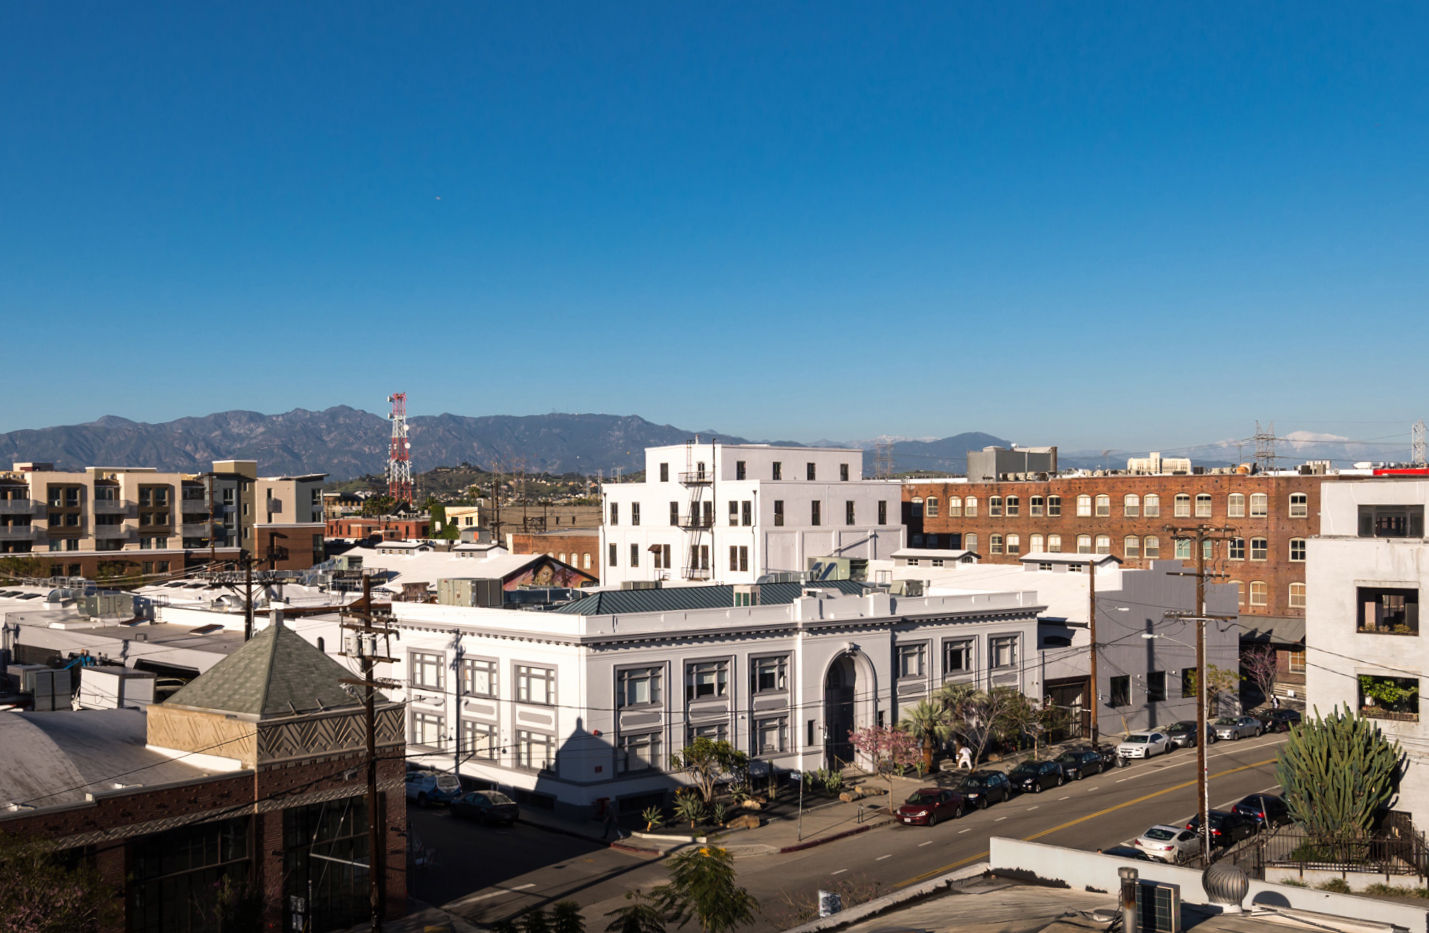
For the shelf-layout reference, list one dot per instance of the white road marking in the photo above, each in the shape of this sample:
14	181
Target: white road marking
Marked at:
481	897
882	857
961	831
840	871
922	844
1068	797
999	819
1030	809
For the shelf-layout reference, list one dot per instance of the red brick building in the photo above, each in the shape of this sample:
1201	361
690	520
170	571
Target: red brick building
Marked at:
578	547
384	528
253	774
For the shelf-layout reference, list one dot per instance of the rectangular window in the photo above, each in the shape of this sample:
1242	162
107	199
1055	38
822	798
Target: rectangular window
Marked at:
1235	549
1084	506
814	512
848	512
1120	691
1259	548
733	513
913	660
1156	687
995	544
615	513
714	731
738	558
778	513
809	472
1259	505
1036	505
639	752
635	555
1181	507
1183	548
535	750
1297	549
478	740
1235	505
478	677
664	472
843	472
1299	505
637	686
1103	506
883	512
1131	547
970	543
957	656
1258	592
635	513
429	730
1014	506
994	506
1391	521
1297	596
674	513
1002	651
1203	505
1152	549
1130	506
1054	544
769	675
1389	697
428	670
771	735
746	513
778	470
610	561
1188	682
705	680
1151	506
535	685
1387	610
1295	661
739	469
1054	506
930	507
970	507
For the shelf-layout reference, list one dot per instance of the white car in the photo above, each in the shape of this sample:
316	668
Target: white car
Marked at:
1144	745
1169	843
428	787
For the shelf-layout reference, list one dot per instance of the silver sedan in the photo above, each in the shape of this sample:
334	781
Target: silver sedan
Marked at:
1238	727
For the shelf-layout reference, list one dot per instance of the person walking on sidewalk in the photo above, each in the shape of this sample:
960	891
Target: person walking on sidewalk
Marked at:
965	758
612	821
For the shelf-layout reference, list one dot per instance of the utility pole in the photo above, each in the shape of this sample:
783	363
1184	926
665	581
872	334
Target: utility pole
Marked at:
247	594
364	645
1092	630
1202	534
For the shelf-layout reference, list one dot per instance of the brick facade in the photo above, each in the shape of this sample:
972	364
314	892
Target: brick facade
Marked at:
579	549
994	527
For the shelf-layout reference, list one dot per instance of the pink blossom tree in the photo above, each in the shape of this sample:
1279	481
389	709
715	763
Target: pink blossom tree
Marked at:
1261	669
891	750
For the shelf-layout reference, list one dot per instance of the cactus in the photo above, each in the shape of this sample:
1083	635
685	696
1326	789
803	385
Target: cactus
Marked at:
1337	771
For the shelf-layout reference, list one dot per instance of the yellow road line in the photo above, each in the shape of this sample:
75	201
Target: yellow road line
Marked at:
1081	819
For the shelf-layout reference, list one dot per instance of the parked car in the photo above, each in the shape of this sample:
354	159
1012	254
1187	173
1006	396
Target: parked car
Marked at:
1144	745
928	805
486	806
1227	827
1126	852
1183	734
1110	759
1077	763
1168	843
1263	810
982	788
1036	776
429	787
1280	720
1238	727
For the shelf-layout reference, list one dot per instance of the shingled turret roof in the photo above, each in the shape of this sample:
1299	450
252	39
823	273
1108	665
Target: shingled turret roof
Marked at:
276	673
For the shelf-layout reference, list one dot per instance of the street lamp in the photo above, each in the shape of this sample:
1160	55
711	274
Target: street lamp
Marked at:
1203	784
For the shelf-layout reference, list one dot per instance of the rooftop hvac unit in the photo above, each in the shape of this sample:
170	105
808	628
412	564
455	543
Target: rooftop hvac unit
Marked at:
1158	907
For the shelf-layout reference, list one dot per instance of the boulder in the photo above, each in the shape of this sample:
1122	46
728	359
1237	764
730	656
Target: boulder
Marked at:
745	821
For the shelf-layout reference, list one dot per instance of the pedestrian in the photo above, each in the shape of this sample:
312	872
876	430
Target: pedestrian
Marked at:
1274	701
612	822
965	757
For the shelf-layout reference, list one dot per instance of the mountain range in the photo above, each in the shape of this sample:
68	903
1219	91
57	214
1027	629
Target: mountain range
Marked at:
345	443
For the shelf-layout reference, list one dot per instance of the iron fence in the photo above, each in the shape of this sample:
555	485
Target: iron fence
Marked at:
1394	850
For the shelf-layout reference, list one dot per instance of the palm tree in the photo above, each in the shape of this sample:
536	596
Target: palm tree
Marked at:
931	723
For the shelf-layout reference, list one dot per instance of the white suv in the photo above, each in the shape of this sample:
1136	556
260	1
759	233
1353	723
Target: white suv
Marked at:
1144	745
428	787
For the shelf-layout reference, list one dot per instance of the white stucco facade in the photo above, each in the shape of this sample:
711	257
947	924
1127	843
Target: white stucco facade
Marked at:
711	512
1365	576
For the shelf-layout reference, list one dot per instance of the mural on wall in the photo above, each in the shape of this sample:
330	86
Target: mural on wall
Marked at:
548	572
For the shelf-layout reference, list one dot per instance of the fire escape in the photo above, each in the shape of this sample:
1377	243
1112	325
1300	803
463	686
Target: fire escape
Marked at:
699	519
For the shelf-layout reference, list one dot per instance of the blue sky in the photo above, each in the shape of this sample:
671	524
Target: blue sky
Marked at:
1096	225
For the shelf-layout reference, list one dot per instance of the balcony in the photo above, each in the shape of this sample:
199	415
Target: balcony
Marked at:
697	478
19	507
110	532
697	573
17	533
109	506
194	529
193	506
694	522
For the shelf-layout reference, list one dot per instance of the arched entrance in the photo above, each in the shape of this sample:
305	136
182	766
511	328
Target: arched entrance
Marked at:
850	703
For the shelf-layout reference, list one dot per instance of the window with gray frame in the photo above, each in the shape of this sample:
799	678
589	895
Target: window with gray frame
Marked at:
639	751
769	675
1120	691
638	686
478	740
429	729
771	735
958	656
428	670
535	750
714	731
913	660
535	685
706	680
1002	652
478	677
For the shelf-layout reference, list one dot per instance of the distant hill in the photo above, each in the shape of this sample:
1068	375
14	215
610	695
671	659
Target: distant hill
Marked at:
346	443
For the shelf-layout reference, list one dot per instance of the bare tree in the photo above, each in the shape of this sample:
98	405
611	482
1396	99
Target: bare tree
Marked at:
1261	669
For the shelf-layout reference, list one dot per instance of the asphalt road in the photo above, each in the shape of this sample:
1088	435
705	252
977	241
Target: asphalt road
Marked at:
484	873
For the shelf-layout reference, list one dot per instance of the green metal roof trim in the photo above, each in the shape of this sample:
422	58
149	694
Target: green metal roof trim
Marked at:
276	673
684	598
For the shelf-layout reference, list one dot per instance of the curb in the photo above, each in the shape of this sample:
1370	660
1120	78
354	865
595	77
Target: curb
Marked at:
797	847
878	905
553	828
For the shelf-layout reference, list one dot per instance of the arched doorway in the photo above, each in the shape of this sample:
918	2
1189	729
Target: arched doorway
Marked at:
839	684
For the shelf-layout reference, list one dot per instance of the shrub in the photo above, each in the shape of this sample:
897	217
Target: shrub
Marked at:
1336	886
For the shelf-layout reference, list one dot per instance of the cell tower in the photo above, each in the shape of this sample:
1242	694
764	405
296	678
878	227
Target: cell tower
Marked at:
399	457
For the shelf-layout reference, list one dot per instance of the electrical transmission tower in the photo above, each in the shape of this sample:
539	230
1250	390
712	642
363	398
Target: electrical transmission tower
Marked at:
1416	443
1265	447
399	456
883	460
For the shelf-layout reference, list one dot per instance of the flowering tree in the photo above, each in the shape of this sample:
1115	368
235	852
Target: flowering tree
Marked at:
39	895
889	749
1261	669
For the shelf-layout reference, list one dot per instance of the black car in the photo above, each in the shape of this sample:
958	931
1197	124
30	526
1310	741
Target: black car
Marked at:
1077	763
1183	734
486	806
1227	827
1263	810
982	788
1280	720
1126	852
1036	776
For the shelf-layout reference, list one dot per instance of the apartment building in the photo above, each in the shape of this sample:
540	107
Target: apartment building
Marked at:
124	521
1365	651
731	513
588	701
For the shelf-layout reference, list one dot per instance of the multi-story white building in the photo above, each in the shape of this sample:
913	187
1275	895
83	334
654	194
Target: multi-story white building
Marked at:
732	512
588	702
1364	649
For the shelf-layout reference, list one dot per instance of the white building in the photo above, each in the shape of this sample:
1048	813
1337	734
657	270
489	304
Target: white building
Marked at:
589	701
1364	575
1141	682
730	513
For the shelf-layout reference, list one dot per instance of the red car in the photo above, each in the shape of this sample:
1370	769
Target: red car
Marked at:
929	805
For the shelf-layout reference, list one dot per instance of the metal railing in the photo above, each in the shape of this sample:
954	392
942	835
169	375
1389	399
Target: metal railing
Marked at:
1396	852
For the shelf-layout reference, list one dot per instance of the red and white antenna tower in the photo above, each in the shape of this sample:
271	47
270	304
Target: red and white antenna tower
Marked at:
399	458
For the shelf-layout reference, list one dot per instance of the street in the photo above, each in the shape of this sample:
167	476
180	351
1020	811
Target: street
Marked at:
483	873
